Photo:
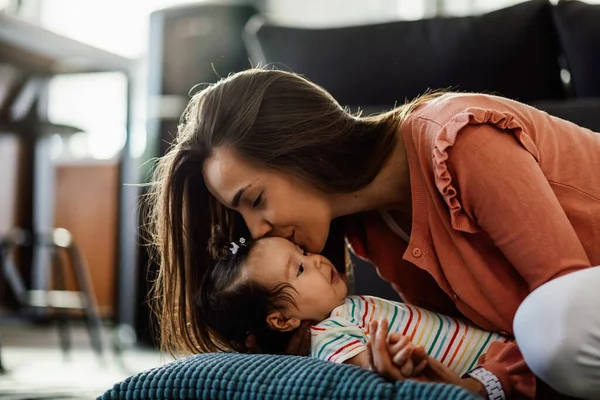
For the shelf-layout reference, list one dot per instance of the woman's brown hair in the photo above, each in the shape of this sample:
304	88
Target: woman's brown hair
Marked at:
275	120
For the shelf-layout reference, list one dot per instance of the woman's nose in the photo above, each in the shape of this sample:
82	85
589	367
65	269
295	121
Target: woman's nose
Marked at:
259	228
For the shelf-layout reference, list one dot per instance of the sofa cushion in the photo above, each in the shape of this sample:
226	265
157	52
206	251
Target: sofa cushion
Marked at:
578	25
252	376
513	52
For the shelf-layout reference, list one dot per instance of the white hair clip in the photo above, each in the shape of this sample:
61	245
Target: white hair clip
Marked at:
235	247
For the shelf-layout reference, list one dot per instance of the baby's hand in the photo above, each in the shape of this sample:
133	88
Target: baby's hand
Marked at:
392	355
411	359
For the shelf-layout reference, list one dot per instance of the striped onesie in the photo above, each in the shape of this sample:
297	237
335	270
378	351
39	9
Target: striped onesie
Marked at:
449	340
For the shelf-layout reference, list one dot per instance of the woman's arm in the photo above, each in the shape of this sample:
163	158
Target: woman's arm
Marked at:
504	192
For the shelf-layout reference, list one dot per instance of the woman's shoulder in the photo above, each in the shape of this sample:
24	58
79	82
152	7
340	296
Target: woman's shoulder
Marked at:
435	125
446	107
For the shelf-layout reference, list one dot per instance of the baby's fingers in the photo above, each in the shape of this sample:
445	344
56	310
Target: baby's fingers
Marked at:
408	369
419	368
403	360
394	337
399	343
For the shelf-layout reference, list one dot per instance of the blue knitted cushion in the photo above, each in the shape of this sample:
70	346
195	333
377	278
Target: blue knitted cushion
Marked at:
251	376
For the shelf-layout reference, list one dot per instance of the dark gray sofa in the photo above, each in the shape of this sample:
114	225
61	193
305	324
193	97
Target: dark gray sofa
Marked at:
525	52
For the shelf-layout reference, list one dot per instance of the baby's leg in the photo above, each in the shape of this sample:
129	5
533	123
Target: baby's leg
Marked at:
557	328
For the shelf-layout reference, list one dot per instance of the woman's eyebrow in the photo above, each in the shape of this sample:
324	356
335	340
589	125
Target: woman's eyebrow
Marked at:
235	202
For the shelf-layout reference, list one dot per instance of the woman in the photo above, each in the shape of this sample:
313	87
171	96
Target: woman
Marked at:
466	203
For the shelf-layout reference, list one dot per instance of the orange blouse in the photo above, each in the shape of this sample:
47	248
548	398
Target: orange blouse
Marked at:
505	197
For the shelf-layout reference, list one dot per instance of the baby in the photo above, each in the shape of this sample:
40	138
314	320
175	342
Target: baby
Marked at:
268	287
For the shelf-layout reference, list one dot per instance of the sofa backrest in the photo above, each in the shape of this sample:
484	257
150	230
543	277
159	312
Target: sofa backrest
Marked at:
578	26
512	52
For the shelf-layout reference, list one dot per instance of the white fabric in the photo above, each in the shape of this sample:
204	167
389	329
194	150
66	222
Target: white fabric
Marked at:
557	328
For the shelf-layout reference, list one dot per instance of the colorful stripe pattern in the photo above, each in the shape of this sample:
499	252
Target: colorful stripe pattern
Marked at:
451	341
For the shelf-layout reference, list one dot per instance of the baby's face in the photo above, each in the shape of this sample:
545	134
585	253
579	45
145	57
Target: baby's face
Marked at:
319	288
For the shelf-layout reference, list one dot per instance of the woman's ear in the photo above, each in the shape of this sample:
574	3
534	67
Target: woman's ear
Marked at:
279	322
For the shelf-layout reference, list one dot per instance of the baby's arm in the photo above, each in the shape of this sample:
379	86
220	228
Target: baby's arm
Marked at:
361	360
339	340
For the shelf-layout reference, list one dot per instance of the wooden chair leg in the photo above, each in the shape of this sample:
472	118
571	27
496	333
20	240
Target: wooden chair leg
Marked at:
62	318
2	369
92	314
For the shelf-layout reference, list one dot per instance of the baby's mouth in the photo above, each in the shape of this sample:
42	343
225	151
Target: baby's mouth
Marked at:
334	276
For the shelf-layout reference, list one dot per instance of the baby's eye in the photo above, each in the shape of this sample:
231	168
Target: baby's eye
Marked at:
300	270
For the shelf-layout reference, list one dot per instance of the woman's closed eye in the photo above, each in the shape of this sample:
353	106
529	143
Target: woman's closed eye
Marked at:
257	201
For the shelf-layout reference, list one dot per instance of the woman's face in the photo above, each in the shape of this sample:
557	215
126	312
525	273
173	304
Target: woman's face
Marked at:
272	203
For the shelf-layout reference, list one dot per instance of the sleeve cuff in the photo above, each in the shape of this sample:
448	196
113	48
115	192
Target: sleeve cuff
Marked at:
491	383
345	357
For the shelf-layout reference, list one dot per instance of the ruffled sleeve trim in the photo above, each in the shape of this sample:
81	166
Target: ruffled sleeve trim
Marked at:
447	137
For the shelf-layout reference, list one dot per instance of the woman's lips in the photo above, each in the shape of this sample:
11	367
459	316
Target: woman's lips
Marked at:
291	237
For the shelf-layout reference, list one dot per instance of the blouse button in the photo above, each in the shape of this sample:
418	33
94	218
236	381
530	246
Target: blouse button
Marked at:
416	252
454	296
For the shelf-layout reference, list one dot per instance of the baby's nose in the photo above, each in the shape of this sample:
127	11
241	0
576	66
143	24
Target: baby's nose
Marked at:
316	259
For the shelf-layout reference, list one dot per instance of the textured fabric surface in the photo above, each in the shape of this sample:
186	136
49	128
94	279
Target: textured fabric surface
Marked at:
249	376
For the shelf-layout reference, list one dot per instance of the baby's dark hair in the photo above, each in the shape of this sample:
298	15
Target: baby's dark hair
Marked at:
231	308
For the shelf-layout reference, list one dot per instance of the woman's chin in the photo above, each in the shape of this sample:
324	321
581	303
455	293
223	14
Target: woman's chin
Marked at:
305	243
312	244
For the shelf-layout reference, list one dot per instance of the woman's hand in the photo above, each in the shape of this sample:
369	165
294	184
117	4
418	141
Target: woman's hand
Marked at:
440	373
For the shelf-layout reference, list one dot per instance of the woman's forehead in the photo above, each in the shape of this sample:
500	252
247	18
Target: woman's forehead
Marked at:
225	174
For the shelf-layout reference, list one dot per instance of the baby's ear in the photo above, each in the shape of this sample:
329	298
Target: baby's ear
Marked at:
279	322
